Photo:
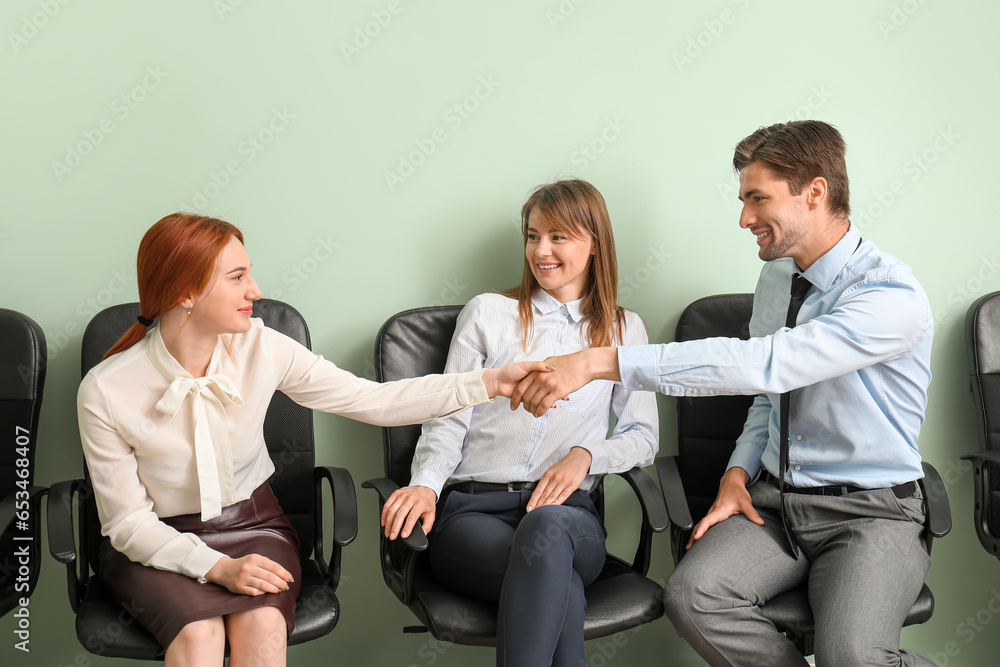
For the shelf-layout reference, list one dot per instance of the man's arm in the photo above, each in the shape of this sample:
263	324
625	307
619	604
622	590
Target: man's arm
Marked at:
733	499
874	322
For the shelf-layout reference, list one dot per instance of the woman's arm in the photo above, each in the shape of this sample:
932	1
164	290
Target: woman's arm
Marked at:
126	508
439	449
633	442
123	504
312	381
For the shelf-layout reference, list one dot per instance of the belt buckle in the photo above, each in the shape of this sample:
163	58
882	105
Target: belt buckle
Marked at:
510	487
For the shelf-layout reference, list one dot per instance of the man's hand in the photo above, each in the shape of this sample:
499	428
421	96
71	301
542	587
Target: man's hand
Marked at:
503	381
733	499
563	478
252	574
404	507
538	392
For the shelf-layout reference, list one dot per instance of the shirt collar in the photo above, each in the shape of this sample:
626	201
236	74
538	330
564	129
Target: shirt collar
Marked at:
169	367
545	304
825	270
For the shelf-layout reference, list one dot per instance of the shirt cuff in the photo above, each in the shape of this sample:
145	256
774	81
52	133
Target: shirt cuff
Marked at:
598	458
747	458
433	482
637	365
201	559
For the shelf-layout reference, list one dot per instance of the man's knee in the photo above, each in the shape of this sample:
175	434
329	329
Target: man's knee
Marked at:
691	591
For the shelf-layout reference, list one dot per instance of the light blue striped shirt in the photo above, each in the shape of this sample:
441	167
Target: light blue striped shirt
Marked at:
858	358
491	443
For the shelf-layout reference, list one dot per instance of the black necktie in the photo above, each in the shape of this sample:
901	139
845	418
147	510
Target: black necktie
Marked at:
799	288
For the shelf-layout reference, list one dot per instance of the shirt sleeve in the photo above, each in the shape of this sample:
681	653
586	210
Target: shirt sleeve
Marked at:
635	438
123	505
318	384
872	322
439	448
753	440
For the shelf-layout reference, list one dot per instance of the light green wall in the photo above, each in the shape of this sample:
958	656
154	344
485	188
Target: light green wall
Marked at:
900	78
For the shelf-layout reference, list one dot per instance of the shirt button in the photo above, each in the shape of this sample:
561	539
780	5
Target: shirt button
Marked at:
798	467
798	437
687	393
639	386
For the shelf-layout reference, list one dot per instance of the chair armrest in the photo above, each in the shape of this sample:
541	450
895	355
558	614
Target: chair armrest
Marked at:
398	565
673	493
345	517
989	457
982	505
345	503
385	487
936	502
654	515
62	538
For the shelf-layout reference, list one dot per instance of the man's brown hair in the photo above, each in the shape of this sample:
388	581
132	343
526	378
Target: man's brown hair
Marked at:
797	152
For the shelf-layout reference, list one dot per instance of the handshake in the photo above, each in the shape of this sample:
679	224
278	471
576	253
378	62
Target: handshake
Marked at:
537	385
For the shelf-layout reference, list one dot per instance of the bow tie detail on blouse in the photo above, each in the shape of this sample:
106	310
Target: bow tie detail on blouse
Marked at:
213	455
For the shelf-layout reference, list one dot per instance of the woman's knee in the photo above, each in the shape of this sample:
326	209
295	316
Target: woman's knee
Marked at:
200	635
552	522
263	620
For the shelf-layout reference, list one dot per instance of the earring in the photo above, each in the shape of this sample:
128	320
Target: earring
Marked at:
189	312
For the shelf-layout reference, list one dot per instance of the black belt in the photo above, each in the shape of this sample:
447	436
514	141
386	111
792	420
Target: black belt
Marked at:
483	487
900	490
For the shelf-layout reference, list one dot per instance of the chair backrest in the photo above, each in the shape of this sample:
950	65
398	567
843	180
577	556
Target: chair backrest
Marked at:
410	344
707	427
22	379
288	427
982	330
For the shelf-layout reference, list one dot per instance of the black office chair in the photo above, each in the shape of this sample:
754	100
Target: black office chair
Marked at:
106	628
414	343
707	431
22	378
982	337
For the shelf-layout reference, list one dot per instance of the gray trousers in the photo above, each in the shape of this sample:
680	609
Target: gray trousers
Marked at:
861	557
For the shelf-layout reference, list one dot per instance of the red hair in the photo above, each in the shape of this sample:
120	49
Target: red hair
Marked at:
177	258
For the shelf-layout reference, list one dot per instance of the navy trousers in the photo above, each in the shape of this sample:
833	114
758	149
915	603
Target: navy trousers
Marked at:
533	564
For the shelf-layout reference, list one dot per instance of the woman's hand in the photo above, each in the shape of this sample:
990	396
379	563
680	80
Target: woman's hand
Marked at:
563	478
502	381
404	507
252	574
539	392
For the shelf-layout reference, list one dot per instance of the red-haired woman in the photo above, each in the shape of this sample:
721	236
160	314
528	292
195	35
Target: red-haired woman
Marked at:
515	524
172	429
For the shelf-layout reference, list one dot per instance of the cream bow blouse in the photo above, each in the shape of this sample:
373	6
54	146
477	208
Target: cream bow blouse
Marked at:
159	442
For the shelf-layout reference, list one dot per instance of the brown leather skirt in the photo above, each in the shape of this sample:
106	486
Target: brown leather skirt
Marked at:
164	602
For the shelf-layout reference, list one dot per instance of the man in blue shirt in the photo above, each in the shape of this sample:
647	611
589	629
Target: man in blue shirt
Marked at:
857	364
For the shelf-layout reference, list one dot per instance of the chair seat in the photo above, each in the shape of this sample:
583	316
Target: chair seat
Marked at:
105	628
620	598
790	612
